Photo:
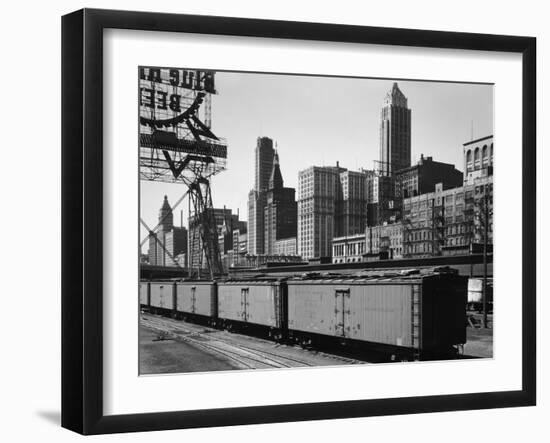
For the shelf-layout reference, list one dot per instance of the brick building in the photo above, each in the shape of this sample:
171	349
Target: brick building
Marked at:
422	178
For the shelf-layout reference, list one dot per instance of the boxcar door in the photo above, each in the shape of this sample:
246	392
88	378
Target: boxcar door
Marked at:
347	312
193	299
244	303
162	304
342	311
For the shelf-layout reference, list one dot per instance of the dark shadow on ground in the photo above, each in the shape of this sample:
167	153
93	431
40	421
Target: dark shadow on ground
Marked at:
54	417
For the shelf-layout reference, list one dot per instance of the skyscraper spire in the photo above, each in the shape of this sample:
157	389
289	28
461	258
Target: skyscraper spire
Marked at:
395	132
264	160
166	218
395	97
276	179
263	164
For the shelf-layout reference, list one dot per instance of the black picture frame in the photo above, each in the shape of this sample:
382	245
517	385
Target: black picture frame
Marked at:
82	190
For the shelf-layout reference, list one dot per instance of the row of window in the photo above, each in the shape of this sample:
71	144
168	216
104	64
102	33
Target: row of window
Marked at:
477	153
356	248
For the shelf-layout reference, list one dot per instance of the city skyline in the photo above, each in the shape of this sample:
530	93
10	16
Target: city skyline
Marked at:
298	113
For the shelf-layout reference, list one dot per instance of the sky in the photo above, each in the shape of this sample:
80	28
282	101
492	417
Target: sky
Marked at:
319	121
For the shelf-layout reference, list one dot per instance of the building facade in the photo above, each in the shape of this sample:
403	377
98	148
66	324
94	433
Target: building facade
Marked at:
256	204
478	159
169	241
395	132
451	219
334	202
318	191
422	178
257	197
280	212
263	164
441	210
381	203
348	249
285	247
240	240
237	256
351	206
386	238
258	261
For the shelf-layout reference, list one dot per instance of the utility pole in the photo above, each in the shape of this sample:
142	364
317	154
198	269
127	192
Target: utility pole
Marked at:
485	235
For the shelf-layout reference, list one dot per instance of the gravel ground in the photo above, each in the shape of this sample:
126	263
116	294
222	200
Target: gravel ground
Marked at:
168	356
479	343
162	354
179	355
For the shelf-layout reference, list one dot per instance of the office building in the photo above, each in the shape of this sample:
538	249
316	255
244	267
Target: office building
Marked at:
395	132
382	206
386	239
348	249
478	159
351	206
280	212
285	247
445	220
318	191
257	197
422	178
169	241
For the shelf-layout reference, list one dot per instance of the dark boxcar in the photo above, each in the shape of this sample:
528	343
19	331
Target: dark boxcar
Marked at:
422	316
254	302
197	298
162	297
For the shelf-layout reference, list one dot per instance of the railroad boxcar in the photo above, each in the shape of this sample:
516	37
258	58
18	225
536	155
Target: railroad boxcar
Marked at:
197	301
253	304
144	294
409	317
162	296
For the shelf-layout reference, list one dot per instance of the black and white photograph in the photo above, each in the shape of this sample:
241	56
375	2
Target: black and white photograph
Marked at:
291	221
269	222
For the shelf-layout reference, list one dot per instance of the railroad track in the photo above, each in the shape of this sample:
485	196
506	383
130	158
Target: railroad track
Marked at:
242	355
246	357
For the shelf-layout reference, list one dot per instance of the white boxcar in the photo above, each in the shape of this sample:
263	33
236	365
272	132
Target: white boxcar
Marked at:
257	302
197	297
162	295
144	293
353	309
422	313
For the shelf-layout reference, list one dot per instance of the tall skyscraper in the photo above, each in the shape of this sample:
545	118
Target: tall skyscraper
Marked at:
263	164
395	133
257	197
280	212
166	218
169	241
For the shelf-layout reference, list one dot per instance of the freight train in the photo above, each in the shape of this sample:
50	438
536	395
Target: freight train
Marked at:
407	315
